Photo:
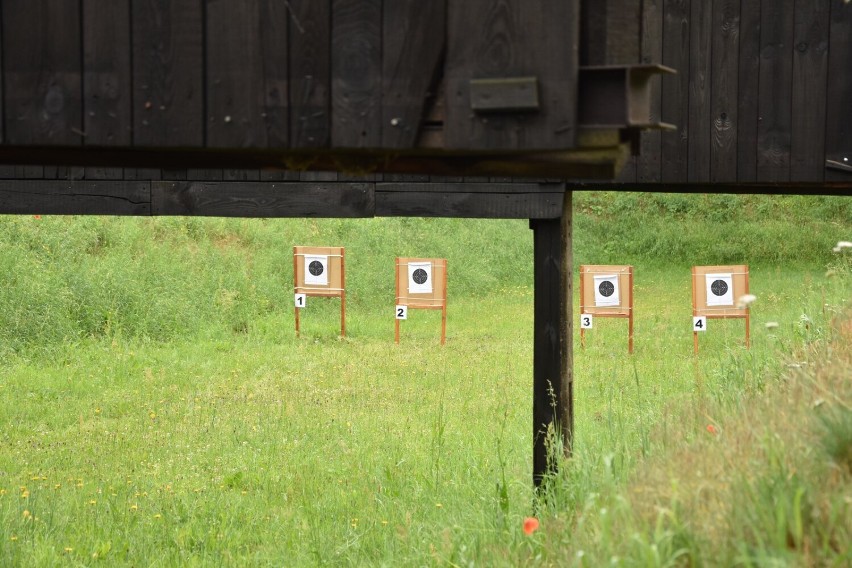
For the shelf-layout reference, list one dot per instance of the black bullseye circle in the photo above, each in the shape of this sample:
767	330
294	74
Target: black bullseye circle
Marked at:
606	288
316	268
419	276
719	287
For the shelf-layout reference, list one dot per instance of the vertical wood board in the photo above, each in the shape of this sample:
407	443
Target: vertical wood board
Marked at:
810	72
649	161
42	68
107	113
747	87
775	92
168	63
700	81
838	133
310	73
356	73
724	100
413	41
675	96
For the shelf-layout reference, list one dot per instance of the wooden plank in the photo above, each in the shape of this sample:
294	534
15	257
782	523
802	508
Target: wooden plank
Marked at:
241	175
247	94
468	204
675	103
747	87
414	35
648	163
59	197
469	187
263	199
775	91
723	96
356	72
168	66
552	339
610	32
838	134
310	73
490	39
41	53
810	73
106	73
699	129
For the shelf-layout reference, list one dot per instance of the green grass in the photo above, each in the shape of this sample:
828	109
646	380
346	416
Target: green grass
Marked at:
158	409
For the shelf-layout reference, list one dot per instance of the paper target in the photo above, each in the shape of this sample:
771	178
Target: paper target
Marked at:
720	289
606	291
419	277
316	270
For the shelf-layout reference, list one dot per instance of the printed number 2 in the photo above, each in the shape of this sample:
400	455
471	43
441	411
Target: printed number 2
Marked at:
300	300
699	323
401	312
586	321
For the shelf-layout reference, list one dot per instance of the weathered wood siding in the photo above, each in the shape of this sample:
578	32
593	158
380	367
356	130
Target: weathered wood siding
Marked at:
297	74
763	91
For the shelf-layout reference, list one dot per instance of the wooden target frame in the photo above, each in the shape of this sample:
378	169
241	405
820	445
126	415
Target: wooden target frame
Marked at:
624	308
434	300
335	284
739	287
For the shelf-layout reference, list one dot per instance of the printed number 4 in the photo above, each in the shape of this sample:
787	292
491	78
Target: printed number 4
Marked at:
699	323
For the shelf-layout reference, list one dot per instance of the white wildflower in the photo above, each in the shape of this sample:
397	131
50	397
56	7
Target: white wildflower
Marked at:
771	325
746	300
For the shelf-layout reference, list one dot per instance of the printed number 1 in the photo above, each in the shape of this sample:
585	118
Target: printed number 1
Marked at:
300	300
401	312
699	323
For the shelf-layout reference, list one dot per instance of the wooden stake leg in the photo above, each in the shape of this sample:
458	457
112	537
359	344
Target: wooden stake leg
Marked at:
297	322
396	331
343	314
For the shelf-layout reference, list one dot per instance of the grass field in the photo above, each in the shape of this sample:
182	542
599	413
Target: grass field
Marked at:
159	411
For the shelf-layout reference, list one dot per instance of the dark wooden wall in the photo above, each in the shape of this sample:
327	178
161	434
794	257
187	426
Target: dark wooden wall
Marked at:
763	91
280	73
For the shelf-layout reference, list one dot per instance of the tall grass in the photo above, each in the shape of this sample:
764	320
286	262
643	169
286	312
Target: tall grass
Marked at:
160	411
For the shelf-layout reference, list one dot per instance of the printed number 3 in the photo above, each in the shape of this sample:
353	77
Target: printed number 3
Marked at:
586	322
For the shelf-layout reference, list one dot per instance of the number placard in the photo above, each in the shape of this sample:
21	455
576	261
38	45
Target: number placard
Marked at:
586	321
699	323
402	312
301	300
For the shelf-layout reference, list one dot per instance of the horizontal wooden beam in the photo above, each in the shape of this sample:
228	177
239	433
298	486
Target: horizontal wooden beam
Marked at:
473	200
599	163
68	197
282	199
262	199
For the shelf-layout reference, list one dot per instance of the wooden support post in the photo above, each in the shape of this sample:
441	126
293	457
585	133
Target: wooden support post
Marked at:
552	351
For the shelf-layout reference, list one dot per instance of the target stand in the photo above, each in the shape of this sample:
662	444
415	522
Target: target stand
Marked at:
421	283
320	272
715	293
606	291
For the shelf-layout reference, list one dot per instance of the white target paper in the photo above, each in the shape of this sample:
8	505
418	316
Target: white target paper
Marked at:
419	277
606	291
316	270
720	289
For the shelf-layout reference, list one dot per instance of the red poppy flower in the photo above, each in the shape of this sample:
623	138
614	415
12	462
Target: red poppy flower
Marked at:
36	217
711	429
530	525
